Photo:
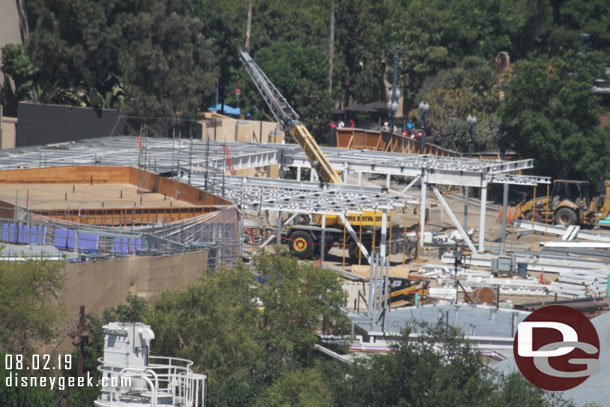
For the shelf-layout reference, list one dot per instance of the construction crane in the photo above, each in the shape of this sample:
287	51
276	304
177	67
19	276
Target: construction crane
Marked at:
303	239
289	120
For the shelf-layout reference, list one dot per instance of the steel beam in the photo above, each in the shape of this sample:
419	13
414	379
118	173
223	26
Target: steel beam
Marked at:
457	225
482	217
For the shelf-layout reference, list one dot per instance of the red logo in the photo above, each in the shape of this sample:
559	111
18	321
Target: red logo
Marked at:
556	348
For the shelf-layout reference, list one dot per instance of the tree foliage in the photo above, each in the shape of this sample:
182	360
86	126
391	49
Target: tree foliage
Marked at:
151	55
244	332
550	114
438	368
28	307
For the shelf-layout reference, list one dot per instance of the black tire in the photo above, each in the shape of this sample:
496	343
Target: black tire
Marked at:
301	244
354	250
566	217
529	216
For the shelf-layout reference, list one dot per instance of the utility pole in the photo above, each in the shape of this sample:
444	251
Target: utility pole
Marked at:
331	47
80	338
249	26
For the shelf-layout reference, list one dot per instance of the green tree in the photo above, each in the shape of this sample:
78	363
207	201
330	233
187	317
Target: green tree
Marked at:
550	114
151	55
28	313
438	368
298	388
167	65
245	334
298	302
136	309
470	88
17	66
28	307
300	74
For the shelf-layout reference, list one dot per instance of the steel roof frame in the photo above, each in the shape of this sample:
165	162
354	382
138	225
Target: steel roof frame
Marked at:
199	156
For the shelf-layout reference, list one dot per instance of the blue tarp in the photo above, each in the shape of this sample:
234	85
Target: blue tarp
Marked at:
124	245
64	239
233	111
29	234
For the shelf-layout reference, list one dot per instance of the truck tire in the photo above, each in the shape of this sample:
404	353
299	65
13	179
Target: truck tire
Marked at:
354	250
301	244
529	216
566	217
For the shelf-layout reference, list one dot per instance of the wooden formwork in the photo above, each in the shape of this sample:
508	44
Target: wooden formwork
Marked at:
103	195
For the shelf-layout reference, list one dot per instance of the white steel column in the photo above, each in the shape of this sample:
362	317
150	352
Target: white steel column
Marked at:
382	257
483	211
457	224
384	230
504	214
312	175
388	180
323	243
422	210
359	179
345	175
299	173
354	235
278	236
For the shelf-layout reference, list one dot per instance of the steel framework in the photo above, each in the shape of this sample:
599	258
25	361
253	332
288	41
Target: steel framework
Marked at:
194	159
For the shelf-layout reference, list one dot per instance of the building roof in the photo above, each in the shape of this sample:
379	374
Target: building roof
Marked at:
472	320
595	389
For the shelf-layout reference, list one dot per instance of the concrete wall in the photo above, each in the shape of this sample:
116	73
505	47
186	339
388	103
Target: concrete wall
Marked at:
102	284
46	124
8	132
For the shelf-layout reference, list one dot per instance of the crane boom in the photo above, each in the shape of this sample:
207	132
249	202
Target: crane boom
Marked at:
289	120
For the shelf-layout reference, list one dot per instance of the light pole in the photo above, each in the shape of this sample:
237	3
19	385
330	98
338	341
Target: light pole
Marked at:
424	108
393	104
472	121
584	38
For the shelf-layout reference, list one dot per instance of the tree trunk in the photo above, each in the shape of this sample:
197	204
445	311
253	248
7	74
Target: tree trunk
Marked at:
249	26
331	47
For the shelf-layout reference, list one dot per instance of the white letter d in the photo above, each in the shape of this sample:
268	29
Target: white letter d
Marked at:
526	343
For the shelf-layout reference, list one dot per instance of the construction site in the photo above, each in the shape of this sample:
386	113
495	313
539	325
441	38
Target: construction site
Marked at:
413	231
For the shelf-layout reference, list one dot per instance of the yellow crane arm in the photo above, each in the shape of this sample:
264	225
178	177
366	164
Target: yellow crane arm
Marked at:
314	154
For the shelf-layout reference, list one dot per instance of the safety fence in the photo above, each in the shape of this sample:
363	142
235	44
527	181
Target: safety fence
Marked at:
216	231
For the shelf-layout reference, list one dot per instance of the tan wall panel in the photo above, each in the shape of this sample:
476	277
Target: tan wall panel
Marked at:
9	132
101	284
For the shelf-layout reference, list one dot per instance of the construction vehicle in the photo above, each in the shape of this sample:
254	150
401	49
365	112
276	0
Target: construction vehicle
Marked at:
569	204
305	238
403	291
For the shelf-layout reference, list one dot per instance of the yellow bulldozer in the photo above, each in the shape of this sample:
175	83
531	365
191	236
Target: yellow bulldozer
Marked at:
568	204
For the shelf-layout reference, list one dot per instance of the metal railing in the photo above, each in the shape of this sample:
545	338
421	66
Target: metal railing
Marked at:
168	382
